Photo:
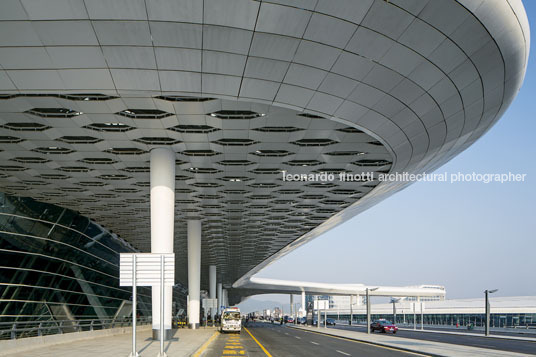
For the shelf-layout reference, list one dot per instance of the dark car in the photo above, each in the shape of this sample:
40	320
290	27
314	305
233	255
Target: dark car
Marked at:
383	326
328	322
288	319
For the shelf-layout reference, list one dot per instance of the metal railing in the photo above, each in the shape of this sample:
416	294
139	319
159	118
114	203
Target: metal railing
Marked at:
23	329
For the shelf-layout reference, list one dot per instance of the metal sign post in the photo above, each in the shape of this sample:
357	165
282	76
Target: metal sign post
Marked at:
320	305
134	353
162	303
209	304
147	269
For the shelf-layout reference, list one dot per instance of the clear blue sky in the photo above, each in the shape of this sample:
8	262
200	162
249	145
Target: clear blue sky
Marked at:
465	236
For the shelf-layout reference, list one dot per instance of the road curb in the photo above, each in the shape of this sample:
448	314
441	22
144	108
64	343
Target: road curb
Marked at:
460	333
204	346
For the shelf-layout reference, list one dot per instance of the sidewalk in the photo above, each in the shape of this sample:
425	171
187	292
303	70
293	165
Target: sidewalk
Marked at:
462	333
504	337
185	342
412	345
518	331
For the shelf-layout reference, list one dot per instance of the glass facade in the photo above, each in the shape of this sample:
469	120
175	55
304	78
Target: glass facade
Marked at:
58	265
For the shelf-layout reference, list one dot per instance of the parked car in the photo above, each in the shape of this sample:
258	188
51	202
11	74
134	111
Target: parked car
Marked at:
329	321
383	326
302	320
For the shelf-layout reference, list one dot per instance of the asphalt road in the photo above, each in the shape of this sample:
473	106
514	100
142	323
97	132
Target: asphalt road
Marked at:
279	341
525	347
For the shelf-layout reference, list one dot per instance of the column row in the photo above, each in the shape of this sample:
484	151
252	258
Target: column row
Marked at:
162	176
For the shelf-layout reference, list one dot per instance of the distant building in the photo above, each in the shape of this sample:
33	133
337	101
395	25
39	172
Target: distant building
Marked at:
277	313
516	311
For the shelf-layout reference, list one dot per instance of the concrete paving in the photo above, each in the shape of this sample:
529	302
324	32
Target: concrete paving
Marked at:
185	342
414	345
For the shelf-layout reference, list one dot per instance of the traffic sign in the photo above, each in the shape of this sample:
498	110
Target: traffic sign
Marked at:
147	269
209	303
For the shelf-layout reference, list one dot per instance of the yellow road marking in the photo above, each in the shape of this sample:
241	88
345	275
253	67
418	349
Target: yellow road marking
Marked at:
205	345
258	343
366	343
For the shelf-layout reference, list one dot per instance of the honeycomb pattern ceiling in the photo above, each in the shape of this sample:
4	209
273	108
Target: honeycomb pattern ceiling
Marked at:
229	168
242	89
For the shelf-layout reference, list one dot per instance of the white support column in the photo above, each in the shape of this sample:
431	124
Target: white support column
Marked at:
162	224
194	272
220	297
212	286
291	305
303	300
225	298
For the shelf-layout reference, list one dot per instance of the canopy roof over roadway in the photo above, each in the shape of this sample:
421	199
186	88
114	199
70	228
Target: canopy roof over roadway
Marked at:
241	90
270	286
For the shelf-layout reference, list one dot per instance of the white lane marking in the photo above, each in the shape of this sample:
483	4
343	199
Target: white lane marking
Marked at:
343	353
315	343
298	337
286	333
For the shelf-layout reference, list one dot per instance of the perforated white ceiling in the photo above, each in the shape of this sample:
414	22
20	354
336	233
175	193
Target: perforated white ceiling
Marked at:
423	78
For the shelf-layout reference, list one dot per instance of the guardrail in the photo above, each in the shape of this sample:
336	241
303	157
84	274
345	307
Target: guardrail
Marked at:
23	329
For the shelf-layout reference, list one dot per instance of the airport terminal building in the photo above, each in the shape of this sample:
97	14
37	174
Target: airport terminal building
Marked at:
166	126
506	312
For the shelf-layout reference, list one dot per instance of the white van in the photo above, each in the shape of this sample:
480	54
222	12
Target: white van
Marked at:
230	320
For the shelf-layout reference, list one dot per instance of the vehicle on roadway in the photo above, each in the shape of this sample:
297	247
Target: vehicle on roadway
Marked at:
329	321
289	319
230	320
383	326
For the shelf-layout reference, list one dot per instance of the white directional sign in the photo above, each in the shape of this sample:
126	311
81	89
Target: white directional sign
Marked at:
417	307
321	304
148	268
209	303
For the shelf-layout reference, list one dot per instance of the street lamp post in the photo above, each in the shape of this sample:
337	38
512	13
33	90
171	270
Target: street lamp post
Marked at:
318	313
368	308
351	310
487	292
